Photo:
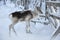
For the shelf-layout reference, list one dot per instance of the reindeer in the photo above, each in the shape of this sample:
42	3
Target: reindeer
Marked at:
23	16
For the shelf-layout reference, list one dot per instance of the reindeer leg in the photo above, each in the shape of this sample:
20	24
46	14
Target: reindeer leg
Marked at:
28	27
14	30
12	27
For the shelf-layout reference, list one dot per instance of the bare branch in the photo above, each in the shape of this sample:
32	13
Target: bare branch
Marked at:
55	16
55	33
45	23
55	21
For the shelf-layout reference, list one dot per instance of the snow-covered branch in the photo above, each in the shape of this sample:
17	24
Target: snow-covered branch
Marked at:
45	23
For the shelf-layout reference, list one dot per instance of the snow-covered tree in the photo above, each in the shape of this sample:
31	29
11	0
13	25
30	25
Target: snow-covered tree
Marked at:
4	2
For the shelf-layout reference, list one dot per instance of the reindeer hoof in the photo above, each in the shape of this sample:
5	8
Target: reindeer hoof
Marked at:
28	32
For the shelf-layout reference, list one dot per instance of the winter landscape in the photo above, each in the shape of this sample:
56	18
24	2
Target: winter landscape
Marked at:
40	31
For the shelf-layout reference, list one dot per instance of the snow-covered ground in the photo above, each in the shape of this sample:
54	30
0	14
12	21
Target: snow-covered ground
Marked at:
39	31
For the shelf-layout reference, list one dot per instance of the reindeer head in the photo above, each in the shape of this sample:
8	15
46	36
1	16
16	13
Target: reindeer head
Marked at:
37	8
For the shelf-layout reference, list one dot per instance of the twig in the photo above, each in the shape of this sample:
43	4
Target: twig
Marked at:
46	23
